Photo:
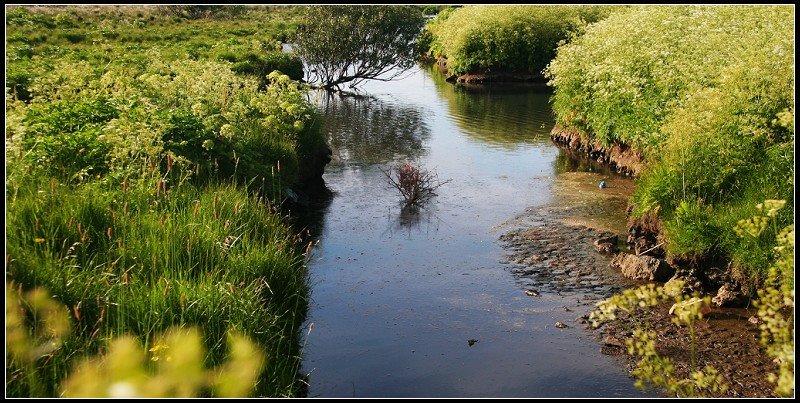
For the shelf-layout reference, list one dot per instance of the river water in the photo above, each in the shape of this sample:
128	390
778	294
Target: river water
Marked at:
396	296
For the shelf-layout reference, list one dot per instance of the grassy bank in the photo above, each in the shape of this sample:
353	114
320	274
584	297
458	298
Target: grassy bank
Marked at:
142	171
510	38
707	93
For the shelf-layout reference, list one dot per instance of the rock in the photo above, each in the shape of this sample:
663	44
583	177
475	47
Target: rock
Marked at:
716	277
610	340
471	342
642	244
561	325
606	244
642	267
729	295
532	293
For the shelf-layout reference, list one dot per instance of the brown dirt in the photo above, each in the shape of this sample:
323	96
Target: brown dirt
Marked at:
488	76
619	157
725	338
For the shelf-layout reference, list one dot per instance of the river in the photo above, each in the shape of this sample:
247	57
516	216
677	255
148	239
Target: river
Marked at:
397	297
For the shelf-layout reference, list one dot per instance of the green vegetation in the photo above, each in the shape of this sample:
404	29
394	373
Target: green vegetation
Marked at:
142	175
652	367
775	301
707	93
175	367
250	35
350	44
517	38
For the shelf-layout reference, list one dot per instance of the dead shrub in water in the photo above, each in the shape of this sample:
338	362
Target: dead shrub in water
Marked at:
415	184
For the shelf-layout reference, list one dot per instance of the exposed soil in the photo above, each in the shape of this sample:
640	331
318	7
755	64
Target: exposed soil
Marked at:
726	340
553	250
491	75
619	157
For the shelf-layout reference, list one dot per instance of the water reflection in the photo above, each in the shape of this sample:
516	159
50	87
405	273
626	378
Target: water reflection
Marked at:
398	293
410	220
501	115
573	161
367	130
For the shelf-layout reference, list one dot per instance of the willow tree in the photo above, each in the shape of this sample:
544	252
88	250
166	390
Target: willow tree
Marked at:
350	44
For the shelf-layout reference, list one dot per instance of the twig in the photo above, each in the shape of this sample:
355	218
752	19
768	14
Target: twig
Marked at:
642	253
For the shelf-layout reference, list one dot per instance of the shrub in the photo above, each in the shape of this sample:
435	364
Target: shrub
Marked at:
349	44
261	66
653	367
66	137
522	38
707	93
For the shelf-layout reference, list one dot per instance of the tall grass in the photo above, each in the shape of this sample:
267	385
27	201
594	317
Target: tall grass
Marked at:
134	262
141	188
708	94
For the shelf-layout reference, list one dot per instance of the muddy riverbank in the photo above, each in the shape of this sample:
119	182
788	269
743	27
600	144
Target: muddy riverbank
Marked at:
553	249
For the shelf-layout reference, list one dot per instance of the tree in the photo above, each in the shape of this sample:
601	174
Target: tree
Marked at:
350	44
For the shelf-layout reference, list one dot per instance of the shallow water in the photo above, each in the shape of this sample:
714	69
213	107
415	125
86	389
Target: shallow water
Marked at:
396	296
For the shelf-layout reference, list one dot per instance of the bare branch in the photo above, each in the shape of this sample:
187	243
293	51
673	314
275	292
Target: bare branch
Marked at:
415	184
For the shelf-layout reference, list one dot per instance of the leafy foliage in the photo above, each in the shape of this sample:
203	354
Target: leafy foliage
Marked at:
522	38
776	300
122	371
350	44
707	93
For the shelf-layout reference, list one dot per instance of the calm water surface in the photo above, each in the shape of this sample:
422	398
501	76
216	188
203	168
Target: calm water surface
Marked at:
396	296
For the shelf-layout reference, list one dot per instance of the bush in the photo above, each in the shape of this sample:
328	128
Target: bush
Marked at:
261	66
18	81
707	94
66	137
629	72
349	44
520	38
416	185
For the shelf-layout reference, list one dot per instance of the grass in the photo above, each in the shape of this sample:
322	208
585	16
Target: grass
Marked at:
142	175
131	262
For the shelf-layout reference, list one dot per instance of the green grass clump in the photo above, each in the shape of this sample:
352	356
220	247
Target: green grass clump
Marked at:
707	93
518	38
137	262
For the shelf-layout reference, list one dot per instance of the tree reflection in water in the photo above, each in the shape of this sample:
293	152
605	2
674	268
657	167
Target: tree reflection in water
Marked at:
367	130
